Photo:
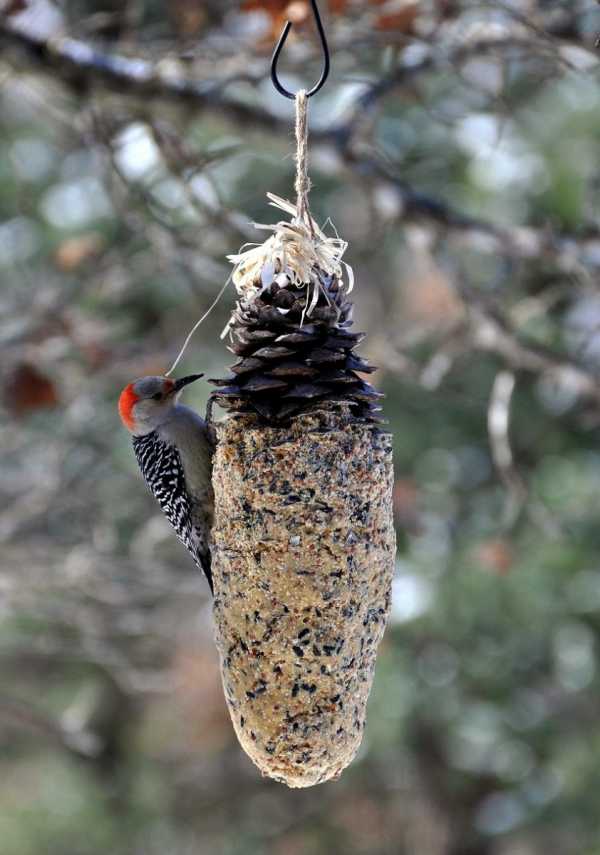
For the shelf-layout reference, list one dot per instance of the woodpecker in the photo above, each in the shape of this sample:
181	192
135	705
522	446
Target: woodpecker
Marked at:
174	448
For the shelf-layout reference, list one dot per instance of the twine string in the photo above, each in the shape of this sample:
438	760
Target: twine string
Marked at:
196	325
303	183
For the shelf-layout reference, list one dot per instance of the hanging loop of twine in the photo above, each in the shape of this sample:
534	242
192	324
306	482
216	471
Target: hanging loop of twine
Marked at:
303	183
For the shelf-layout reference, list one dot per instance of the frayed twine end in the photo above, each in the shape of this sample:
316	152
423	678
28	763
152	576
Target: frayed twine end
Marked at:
296	249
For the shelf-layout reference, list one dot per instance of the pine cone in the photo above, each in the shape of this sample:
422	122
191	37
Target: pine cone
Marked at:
293	355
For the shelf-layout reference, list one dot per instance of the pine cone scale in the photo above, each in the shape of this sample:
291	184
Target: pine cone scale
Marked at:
295	350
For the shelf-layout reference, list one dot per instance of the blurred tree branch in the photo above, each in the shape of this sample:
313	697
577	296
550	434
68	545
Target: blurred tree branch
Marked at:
83	67
78	741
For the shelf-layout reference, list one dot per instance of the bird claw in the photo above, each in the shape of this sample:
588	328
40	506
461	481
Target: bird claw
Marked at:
209	409
210	425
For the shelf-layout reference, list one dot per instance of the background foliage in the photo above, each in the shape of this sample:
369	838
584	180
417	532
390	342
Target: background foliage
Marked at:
455	147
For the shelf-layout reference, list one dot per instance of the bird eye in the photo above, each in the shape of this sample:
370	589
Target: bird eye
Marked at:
157	397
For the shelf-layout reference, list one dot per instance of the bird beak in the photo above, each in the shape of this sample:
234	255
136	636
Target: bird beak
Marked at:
184	381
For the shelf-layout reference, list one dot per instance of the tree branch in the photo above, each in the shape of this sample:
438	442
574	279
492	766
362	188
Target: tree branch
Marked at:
491	335
81	743
80	66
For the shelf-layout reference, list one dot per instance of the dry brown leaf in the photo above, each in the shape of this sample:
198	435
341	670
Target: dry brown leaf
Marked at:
189	16
495	555
363	819
405	500
432	302
200	698
26	389
12	7
75	251
399	16
298	12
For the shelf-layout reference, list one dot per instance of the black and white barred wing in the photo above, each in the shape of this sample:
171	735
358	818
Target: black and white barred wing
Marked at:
163	472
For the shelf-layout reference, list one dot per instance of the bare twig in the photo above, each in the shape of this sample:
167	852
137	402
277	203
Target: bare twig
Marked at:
495	336
498	430
81	743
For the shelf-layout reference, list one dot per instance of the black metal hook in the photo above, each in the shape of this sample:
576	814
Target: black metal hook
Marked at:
279	47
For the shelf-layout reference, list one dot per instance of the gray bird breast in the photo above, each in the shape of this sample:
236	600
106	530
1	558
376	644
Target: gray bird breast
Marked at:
163	471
